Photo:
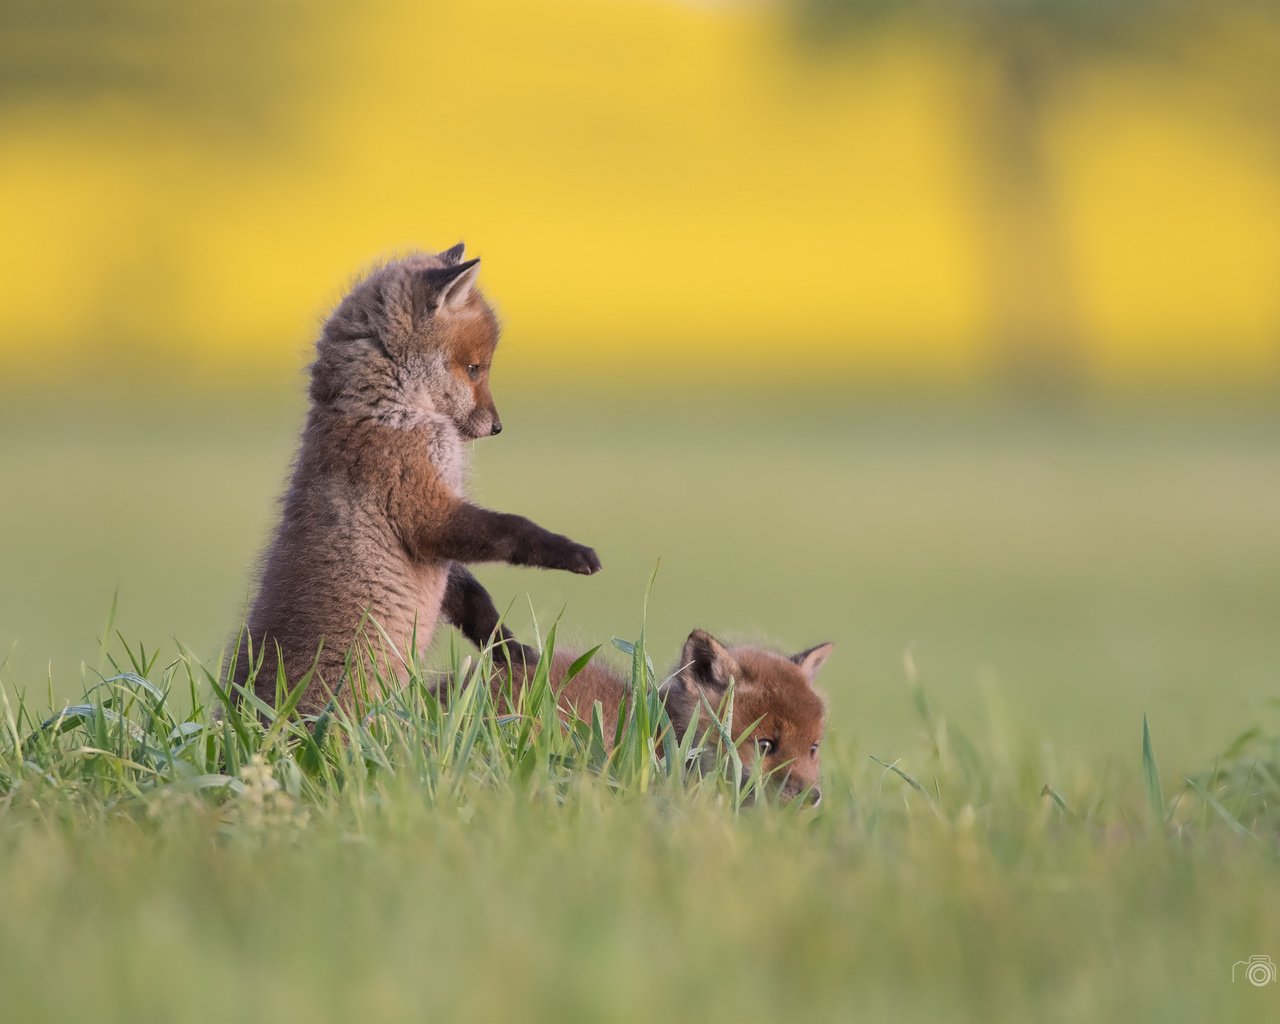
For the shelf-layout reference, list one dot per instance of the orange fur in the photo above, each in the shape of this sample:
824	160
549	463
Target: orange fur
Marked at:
772	689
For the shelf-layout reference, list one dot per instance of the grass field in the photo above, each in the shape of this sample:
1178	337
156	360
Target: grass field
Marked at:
1039	580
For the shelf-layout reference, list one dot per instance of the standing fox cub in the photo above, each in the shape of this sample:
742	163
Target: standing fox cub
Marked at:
772	691
375	526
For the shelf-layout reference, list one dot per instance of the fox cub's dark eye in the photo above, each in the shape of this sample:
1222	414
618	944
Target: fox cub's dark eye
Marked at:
473	371
813	750
765	747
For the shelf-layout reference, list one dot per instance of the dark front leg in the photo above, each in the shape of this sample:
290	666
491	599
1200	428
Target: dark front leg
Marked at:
473	534
469	607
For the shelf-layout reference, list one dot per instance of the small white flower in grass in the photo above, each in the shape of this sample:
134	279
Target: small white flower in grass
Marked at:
264	803
259	780
257	774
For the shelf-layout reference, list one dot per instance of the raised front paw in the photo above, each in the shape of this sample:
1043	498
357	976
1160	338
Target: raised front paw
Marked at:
586	561
574	557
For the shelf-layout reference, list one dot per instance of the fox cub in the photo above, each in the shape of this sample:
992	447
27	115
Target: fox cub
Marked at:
376	530
772	689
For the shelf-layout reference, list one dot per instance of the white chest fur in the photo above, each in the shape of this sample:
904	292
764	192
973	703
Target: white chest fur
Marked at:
444	448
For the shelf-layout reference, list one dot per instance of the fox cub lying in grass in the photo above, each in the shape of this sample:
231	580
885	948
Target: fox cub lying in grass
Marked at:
771	691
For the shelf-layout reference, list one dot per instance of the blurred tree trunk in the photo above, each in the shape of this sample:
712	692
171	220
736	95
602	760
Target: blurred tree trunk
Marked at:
1037	338
1025	48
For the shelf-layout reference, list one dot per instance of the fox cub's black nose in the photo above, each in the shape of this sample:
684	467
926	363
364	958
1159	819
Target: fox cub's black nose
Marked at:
496	428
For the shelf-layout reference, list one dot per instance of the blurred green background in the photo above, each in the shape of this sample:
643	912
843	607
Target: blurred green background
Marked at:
949	332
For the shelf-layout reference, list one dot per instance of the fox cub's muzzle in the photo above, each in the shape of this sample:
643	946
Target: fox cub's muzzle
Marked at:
483	422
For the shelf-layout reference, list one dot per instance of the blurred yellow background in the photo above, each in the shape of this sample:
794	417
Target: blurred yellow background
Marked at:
958	193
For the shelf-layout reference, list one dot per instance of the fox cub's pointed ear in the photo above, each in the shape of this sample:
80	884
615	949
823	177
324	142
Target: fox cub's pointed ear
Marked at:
439	288
452	257
706	662
813	659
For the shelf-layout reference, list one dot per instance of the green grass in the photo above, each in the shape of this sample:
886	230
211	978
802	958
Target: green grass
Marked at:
1051	781
447	862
